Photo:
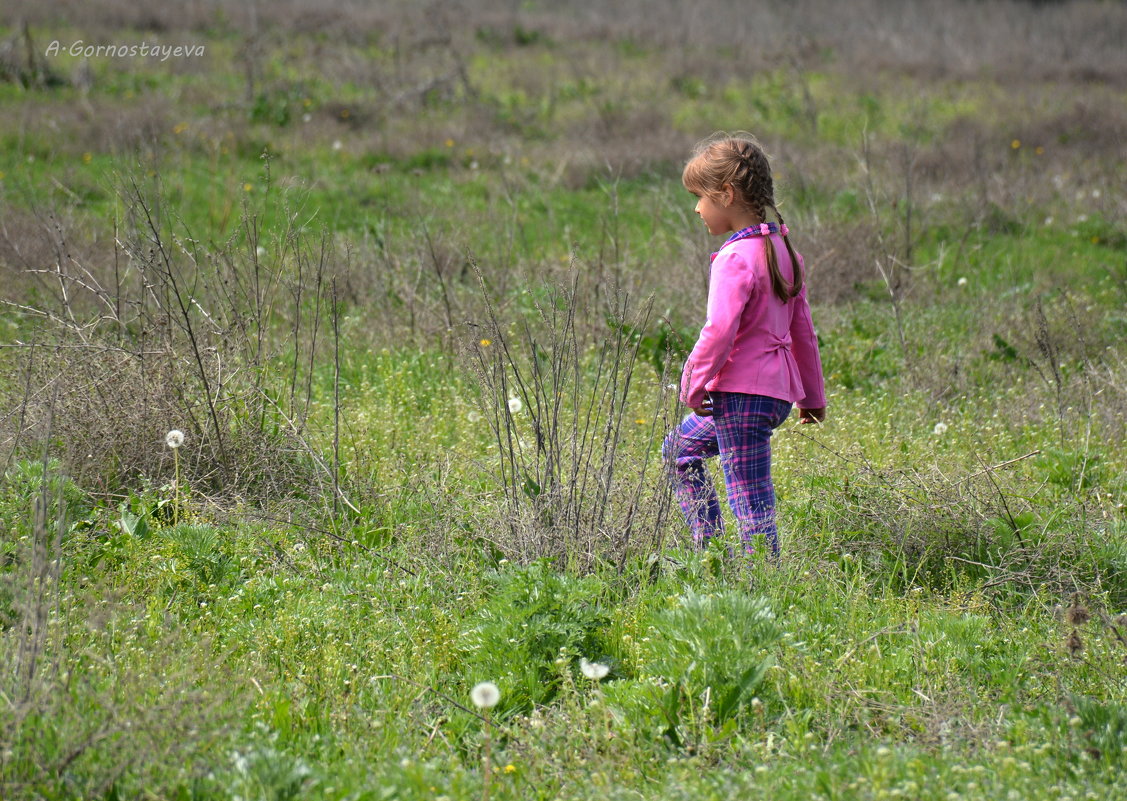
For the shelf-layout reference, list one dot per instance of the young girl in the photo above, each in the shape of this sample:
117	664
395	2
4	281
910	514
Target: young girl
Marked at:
756	355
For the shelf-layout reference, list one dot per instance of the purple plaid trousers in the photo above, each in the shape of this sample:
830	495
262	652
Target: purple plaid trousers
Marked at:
739	430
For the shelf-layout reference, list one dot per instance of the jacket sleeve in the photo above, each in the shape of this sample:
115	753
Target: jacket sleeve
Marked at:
729	288
805	349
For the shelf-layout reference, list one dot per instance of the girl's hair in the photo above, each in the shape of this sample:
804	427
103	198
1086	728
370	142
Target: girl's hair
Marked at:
739	161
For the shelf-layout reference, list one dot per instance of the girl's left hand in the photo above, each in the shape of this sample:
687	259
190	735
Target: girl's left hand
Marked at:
812	415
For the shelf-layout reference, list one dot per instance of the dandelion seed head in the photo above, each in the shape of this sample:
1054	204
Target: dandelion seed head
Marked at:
515	405
174	438
595	671
940	429
962	280
485	695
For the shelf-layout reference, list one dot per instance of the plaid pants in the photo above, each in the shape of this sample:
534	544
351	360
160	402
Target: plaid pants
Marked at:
739	430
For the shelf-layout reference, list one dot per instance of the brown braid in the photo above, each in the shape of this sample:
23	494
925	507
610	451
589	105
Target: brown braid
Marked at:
740	162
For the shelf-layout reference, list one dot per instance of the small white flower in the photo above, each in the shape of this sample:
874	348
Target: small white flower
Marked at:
260	252
306	117
515	405
1082	218
337	144
1095	193
595	671
485	695
1049	220
962	281
940	429
174	438
474	417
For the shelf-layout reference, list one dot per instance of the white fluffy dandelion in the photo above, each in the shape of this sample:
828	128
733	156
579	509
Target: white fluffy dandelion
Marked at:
515	405
962	281
485	695
940	429
174	438
595	671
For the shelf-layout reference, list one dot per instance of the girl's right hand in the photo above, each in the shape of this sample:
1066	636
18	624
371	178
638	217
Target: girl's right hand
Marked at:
705	408
812	415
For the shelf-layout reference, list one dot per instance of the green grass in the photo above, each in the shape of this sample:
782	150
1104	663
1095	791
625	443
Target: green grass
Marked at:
937	629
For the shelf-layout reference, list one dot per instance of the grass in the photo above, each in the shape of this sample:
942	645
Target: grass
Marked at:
385	531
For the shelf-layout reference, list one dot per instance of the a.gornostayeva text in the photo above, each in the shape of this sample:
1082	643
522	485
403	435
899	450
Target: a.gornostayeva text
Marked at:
160	52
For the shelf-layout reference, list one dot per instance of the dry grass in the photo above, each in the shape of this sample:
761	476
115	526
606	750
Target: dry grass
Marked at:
1079	40
162	333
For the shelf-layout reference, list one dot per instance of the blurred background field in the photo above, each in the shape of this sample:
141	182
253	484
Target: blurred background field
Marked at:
415	280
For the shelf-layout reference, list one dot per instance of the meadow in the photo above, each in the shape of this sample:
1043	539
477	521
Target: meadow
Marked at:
415	283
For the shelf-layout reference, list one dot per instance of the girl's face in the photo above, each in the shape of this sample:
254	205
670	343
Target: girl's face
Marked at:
716	214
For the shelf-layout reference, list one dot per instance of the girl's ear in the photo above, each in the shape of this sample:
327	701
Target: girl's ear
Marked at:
729	193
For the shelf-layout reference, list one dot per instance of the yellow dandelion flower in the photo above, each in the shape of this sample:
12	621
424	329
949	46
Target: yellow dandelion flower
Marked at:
180	128
450	143
306	102
345	114
1040	151
248	187
510	768
485	343
640	421
1095	240
1015	144
1	175
87	157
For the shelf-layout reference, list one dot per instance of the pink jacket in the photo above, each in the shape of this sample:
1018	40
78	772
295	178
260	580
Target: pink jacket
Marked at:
752	342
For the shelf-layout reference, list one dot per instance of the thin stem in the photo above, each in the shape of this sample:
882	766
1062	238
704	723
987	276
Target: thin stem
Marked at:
486	761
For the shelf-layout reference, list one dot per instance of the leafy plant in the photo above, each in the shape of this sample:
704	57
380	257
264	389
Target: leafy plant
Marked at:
713	650
533	616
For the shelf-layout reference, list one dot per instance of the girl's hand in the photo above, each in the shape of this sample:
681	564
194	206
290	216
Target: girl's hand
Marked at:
811	415
705	408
